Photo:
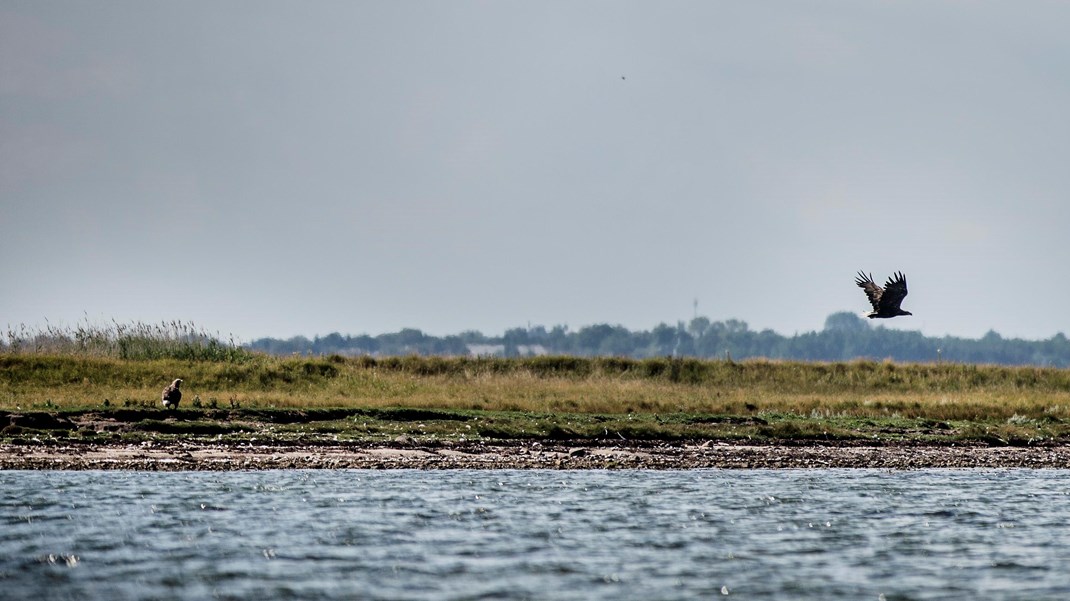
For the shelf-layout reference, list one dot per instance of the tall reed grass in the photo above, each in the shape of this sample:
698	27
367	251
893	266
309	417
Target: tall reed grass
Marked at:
174	339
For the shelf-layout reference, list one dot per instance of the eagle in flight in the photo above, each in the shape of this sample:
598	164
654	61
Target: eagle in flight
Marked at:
885	300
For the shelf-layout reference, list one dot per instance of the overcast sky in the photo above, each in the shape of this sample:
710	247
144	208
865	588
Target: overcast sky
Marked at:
281	168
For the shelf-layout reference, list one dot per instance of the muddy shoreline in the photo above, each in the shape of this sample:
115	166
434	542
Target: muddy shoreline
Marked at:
209	456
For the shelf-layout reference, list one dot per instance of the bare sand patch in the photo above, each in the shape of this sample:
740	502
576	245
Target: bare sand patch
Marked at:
198	456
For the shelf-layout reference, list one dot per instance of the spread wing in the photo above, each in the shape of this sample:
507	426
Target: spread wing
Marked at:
895	290
873	291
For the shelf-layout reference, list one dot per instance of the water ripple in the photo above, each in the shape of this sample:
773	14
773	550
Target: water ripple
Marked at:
830	534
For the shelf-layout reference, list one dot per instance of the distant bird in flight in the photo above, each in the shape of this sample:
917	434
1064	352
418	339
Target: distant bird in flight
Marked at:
172	395
885	300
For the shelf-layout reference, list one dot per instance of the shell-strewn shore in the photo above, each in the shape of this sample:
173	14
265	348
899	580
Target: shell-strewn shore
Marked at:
198	456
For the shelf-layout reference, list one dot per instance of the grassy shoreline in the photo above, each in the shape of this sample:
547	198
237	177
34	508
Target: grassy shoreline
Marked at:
335	399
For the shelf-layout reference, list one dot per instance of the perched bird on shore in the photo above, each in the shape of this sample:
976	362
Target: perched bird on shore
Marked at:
885	300
172	395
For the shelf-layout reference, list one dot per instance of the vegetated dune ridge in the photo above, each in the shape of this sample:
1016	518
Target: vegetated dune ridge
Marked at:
73	412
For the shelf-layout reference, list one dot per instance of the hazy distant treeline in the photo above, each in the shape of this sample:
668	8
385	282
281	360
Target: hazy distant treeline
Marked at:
845	336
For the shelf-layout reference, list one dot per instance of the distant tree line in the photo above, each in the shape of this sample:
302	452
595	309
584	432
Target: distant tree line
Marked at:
845	336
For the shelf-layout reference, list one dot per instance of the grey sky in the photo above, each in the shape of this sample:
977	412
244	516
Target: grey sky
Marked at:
281	168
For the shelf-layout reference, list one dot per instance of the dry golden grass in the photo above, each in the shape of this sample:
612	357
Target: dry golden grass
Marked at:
548	385
562	397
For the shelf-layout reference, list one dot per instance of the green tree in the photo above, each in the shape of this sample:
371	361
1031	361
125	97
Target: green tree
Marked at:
845	321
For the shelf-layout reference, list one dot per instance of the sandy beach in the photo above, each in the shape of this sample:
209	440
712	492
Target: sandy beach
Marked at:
199	456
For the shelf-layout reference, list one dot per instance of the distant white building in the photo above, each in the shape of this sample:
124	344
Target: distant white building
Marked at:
498	350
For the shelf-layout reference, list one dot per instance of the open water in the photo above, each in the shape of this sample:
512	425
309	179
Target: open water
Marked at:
698	534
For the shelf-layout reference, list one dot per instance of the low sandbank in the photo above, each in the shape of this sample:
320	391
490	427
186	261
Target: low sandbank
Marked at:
206	456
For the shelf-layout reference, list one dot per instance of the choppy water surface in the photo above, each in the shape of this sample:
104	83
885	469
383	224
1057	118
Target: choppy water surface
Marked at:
830	534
